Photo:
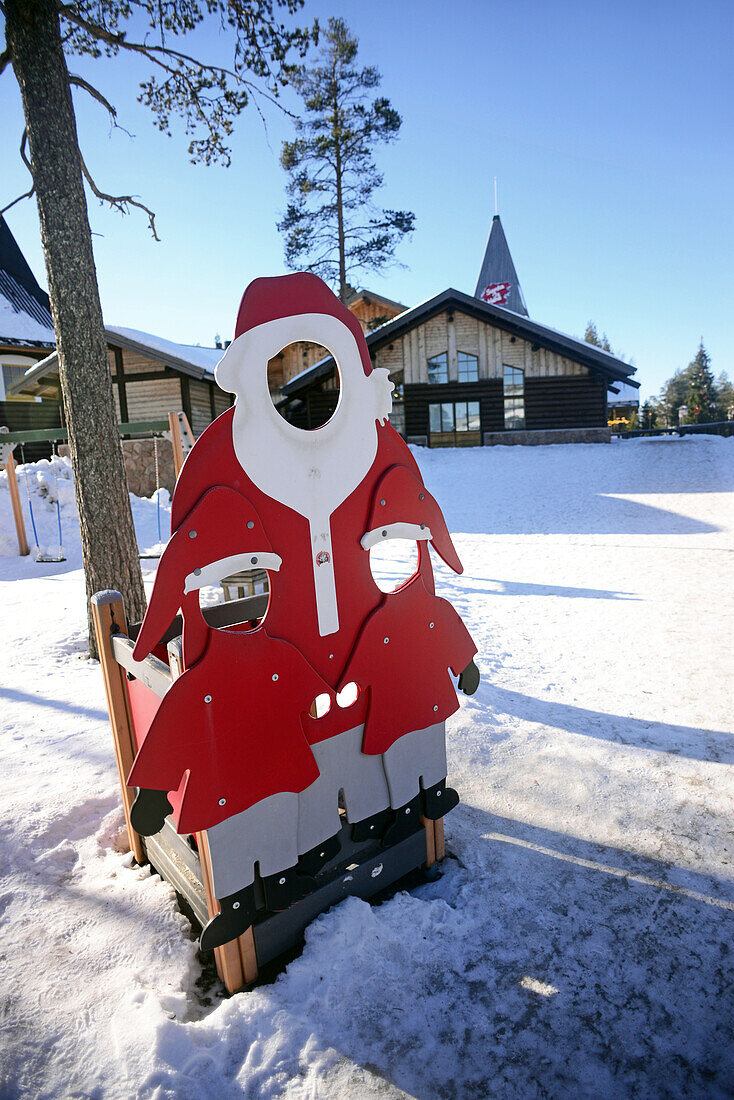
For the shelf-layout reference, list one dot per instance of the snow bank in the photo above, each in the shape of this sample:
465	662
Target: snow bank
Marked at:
41	485
578	943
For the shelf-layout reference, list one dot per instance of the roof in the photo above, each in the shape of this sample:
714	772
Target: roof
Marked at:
570	347
188	359
370	296
25	316
497	269
622	393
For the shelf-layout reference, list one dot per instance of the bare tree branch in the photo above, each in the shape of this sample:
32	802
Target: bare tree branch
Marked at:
24	158
23	154
26	195
119	202
5	59
80	82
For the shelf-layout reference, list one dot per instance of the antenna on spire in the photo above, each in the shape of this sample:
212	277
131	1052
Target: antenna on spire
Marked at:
496	211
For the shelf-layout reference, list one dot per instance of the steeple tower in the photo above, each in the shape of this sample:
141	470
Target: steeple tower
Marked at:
498	283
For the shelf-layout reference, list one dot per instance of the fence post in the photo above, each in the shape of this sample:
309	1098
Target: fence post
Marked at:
6	454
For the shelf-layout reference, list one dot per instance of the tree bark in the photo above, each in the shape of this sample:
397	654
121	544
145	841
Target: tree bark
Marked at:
109	546
337	137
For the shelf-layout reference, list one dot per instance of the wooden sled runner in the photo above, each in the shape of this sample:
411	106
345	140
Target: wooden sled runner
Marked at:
361	869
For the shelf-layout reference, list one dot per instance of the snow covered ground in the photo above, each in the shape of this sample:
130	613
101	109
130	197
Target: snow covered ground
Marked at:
579	941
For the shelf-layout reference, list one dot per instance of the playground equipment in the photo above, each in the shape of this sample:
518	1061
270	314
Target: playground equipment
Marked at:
40	556
175	428
280	752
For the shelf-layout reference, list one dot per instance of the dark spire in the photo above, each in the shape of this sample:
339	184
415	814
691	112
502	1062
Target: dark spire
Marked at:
498	283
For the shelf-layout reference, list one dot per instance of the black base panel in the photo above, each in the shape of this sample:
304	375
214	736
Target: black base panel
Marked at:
360	869
278	932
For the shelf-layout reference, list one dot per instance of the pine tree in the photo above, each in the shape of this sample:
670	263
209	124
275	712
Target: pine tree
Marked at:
591	336
40	36
331	226
701	394
724	397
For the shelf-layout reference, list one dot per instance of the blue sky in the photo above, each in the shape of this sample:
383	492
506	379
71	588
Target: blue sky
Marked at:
608	126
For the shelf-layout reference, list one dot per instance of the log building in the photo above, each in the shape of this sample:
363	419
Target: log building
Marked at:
476	369
151	376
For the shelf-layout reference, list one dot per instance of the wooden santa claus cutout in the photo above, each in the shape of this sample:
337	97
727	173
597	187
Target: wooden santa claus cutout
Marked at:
236	748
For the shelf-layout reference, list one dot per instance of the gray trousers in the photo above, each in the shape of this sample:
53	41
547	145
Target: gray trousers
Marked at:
277	830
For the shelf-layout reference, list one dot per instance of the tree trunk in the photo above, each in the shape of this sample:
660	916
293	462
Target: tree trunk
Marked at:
109	547
337	138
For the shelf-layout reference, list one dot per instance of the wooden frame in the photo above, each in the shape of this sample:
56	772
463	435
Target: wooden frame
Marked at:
237	961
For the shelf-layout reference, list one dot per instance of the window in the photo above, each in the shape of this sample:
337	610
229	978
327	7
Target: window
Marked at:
454	424
397	413
514	388
11	372
438	368
468	367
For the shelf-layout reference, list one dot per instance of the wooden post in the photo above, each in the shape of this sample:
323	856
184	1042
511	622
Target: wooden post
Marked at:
439	839
430	841
178	456
108	615
236	961
17	509
182	439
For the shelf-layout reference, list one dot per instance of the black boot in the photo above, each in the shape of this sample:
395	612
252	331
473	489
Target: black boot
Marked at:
311	862
371	828
286	888
406	821
439	800
238	913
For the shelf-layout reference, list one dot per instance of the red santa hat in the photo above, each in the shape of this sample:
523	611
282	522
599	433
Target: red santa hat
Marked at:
291	295
400	498
223	523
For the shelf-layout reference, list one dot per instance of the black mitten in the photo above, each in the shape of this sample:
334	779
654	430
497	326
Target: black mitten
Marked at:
148	812
469	679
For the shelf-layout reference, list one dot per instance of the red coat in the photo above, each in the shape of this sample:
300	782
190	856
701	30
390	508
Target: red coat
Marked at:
234	723
402	657
292	611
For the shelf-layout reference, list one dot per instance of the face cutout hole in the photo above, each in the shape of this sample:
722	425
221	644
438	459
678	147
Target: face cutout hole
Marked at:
320	706
239	602
348	696
314	409
393	562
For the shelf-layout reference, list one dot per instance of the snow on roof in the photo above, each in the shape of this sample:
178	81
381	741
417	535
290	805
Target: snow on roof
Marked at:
204	358
23	320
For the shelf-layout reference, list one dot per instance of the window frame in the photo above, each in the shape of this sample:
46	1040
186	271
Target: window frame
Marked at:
467	355
444	355
513	398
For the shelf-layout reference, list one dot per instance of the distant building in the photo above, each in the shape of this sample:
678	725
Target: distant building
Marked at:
151	376
26	336
623	403
371	310
475	369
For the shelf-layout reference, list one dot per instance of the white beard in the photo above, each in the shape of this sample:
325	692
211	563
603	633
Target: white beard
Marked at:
312	472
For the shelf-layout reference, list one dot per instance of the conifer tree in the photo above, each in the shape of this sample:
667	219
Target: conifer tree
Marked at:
701	395
331	226
591	336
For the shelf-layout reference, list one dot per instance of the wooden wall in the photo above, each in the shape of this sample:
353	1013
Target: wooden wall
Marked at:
24	416
492	347
147	389
487	393
565	403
